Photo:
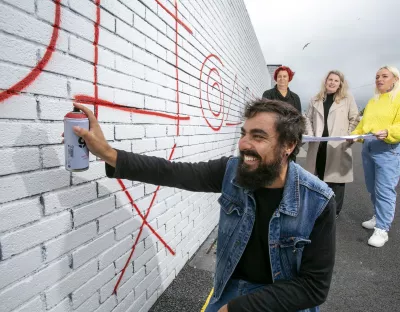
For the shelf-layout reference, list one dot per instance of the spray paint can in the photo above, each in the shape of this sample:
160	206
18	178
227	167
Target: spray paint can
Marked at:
76	151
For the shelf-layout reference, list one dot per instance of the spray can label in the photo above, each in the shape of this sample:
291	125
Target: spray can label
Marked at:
76	151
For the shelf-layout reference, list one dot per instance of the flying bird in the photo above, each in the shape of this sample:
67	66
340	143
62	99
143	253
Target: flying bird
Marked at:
305	46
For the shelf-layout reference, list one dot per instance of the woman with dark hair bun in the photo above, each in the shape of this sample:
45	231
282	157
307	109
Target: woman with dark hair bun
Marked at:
283	75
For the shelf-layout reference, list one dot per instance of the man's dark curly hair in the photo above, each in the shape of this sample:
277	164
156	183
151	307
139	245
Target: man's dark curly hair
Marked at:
290	124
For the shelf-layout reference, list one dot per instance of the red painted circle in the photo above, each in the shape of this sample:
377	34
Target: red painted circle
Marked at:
217	84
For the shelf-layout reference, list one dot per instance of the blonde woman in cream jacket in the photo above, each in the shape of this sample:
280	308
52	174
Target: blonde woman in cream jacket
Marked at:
332	112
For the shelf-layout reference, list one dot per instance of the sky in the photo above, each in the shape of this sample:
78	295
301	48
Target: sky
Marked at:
356	37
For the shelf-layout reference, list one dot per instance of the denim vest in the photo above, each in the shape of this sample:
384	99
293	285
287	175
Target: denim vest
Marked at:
304	198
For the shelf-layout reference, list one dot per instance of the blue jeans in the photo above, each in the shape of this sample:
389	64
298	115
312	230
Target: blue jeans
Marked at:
233	289
381	162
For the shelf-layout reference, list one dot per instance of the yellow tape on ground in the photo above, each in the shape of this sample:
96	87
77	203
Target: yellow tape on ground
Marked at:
207	301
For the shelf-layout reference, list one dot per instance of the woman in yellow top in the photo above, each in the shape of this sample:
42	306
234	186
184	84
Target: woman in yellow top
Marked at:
381	155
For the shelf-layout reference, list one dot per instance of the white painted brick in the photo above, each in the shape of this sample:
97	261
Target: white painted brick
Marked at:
49	84
35	305
139	249
141	56
26	52
93	211
106	58
53	156
129	98
144	258
13	269
87	252
19	160
127	228
21	107
135	192
74	280
113	115
117	9
145	283
129	132
108	305
63	306
156	49
155	261
149	189
144	27
67	198
15	242
90	305
19	293
25	26
114	218
81	48
126	288
96	171
69	241
136	7
156	131
71	21
124	145
107	290
144	145
131	34
85	291
22	134
70	66
107	186
28	5
114	79
113	253
153	103
53	109
26	210
126	303
156	22
115	43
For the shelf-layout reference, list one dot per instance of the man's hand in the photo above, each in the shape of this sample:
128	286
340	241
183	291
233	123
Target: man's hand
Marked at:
94	138
381	135
224	309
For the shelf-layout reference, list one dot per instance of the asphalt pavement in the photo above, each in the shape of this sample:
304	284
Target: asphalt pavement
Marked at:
366	279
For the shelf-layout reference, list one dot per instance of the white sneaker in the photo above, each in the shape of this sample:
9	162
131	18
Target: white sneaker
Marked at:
379	238
370	224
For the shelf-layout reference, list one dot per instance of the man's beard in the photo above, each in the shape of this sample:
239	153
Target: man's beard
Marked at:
264	175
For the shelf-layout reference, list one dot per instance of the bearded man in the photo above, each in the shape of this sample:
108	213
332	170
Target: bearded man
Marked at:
276	234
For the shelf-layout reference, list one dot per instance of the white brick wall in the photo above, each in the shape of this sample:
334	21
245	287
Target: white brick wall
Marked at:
65	237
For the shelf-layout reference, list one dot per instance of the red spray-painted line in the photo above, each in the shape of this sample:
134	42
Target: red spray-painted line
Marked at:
215	128
31	77
233	124
84	99
175	16
216	83
176	67
140	231
96	55
121	183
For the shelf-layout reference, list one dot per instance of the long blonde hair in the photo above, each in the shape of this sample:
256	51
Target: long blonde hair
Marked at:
340	94
396	87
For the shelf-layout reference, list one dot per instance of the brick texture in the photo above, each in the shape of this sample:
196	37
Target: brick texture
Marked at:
65	237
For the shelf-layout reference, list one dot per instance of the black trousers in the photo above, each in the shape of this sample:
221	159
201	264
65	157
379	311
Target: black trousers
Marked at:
337	188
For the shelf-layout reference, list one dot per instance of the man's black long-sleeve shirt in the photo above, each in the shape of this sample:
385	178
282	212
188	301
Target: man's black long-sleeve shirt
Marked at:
310	288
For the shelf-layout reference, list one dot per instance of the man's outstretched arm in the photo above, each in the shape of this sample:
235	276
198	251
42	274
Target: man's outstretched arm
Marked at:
200	177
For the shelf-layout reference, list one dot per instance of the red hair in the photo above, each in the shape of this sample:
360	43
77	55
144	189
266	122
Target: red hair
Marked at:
284	68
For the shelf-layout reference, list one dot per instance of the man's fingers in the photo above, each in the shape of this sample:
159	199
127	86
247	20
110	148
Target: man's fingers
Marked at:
81	132
88	112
